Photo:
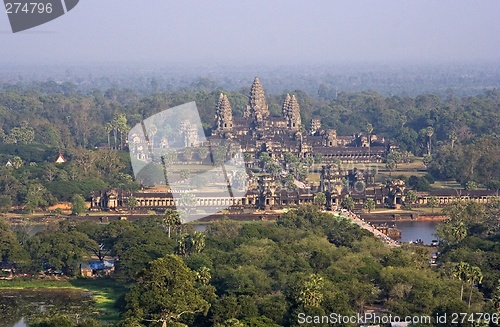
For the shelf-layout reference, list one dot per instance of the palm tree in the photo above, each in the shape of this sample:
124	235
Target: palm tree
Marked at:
369	131
496	297
369	205
114	124
17	162
247	157
132	203
182	246
390	165
122	128
432	202
171	218
310	294
119	125
410	198
348	203
198	241
187	201
187	153
302	129
429	132
461	272
202	153
108	128
475	277
184	174
459	231
203	275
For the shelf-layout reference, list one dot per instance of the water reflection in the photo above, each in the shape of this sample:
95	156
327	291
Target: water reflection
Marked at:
414	230
21	323
18	307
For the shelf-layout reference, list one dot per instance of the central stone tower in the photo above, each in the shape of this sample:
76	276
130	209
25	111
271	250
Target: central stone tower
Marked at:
257	108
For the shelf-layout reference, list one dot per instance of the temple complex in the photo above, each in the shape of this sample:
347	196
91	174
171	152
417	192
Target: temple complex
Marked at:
258	131
272	185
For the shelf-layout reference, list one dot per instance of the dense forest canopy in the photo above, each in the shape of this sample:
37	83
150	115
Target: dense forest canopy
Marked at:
267	274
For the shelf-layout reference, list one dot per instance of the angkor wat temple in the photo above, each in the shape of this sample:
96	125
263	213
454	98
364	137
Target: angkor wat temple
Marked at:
258	131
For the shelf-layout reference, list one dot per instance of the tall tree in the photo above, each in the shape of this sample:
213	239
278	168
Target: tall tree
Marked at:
132	203
475	277
429	134
369	205
459	231
369	131
432	202
171	219
5	203
320	199
410	198
348	203
108	128
461	272
78	205
165	292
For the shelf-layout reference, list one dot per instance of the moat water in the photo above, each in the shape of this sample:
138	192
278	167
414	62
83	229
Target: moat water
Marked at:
19	306
414	230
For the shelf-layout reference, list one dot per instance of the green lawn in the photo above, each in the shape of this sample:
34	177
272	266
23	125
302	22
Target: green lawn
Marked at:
105	293
447	184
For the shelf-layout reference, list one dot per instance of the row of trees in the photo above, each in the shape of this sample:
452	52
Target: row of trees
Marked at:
473	162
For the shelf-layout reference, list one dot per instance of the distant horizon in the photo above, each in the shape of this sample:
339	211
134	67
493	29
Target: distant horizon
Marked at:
269	65
280	32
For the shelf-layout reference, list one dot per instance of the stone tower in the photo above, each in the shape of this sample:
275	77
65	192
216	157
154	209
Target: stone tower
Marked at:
331	138
292	115
286	104
223	116
257	108
315	126
190	134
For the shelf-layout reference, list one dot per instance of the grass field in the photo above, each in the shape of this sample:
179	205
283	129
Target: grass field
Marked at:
105	293
447	184
31	283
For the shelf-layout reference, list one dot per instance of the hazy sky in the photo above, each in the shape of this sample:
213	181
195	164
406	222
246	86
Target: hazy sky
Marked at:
261	31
